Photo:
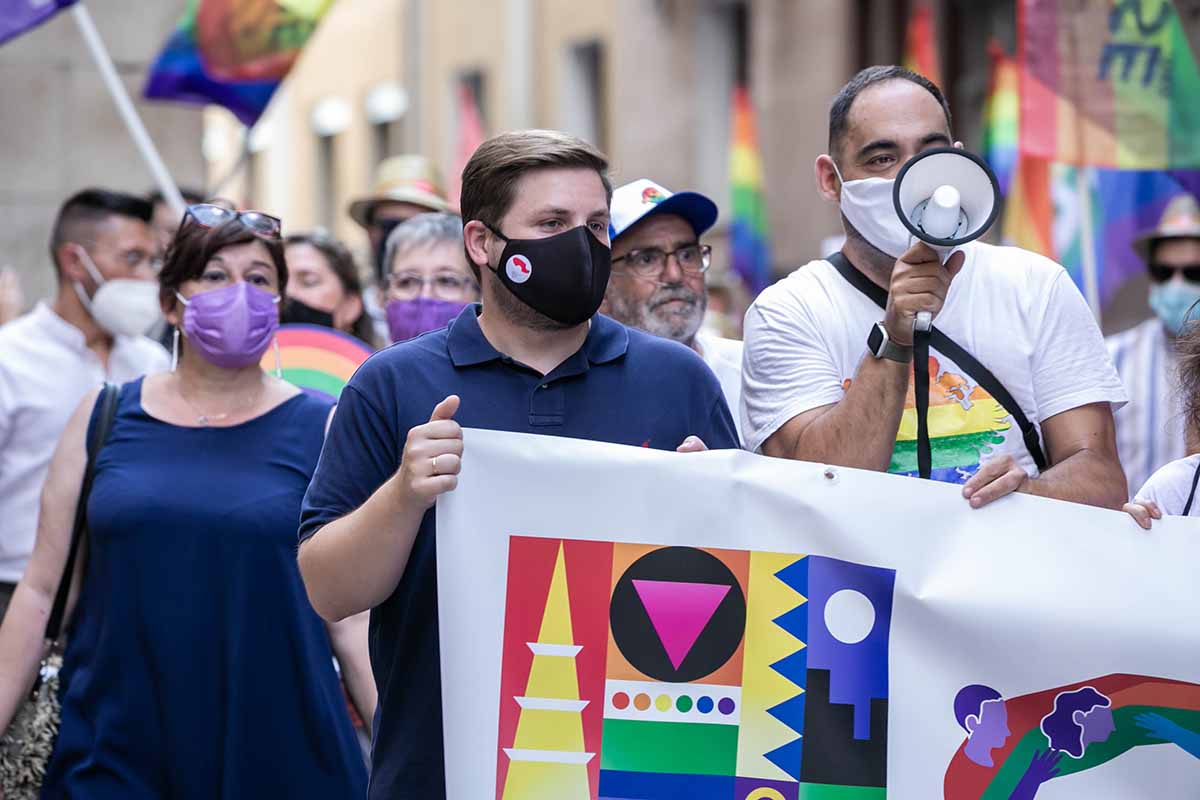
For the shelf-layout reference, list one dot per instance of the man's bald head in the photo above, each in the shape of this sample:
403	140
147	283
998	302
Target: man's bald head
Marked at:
839	111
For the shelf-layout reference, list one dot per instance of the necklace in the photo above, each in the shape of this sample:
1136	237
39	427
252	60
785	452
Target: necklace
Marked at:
206	420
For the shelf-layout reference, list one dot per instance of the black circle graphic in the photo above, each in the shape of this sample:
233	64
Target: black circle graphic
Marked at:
634	633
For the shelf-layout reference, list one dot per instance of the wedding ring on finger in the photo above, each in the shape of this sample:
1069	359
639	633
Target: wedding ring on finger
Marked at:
433	462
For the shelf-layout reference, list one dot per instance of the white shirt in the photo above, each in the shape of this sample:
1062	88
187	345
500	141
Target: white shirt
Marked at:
1150	429
1171	486
45	371
724	358
1016	312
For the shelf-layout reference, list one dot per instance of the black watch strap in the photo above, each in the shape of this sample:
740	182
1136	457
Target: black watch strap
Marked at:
883	347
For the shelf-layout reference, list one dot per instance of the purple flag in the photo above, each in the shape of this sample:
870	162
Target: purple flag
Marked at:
18	16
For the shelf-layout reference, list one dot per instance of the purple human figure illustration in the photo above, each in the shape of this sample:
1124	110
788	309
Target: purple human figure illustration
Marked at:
980	711
1079	718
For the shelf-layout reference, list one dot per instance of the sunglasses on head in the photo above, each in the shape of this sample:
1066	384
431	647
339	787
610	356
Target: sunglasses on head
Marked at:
258	223
1161	273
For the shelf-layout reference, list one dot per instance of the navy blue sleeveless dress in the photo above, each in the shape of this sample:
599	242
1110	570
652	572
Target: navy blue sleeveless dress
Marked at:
196	667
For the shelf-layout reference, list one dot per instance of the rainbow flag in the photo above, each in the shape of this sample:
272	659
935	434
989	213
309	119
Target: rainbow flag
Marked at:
920	42
18	16
318	360
234	53
1001	116
1043	214
748	226
1108	84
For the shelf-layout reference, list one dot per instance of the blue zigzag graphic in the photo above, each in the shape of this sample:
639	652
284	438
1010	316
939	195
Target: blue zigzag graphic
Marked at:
790	712
795	621
788	757
794	667
795	576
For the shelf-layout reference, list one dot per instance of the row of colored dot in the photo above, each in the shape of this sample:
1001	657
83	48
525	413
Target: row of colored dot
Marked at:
683	703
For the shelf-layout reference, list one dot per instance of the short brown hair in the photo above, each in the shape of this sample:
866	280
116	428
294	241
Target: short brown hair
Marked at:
194	245
491	175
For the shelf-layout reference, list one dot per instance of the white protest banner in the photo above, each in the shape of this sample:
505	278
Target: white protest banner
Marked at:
626	623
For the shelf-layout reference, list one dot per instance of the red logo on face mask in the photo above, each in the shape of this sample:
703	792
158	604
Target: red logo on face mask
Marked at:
518	269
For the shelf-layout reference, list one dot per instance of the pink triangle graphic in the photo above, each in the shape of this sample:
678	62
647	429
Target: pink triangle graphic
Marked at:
679	611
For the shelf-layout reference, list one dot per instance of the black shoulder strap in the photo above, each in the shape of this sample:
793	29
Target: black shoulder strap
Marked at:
947	346
107	403
1187	508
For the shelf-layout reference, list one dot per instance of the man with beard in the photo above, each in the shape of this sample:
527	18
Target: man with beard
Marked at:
534	358
1020	388
658	274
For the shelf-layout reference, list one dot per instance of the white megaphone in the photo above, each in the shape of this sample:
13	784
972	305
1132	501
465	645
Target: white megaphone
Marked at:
946	197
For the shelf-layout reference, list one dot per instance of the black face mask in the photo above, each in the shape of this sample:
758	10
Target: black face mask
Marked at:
386	226
562	277
296	312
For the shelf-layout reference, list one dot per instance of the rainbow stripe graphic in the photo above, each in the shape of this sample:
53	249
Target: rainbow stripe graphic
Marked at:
234	53
318	360
748	227
1108	84
964	423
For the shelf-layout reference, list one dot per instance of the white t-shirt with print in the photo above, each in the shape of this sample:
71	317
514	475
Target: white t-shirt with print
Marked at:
1016	312
1170	487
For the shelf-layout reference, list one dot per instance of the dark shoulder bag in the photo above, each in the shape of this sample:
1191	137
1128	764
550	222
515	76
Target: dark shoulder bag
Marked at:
947	346
26	747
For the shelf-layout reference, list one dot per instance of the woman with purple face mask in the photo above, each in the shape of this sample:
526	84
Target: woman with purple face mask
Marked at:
429	281
195	665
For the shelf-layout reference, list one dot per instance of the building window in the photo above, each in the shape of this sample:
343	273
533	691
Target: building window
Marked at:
583	95
385	106
326	182
722	58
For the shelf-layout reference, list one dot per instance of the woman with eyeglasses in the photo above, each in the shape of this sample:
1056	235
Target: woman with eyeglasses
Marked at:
429	281
324	283
195	666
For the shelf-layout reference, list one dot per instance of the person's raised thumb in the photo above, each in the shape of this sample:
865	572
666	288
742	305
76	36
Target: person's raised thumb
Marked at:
445	409
954	263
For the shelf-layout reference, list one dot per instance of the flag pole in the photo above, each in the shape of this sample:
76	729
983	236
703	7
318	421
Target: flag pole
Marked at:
125	107
1083	192
1087	244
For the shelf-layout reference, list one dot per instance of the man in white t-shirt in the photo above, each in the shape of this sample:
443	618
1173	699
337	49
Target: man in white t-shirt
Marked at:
658	266
814	390
105	256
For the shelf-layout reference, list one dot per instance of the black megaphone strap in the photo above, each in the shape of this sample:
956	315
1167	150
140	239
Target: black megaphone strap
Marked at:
939	341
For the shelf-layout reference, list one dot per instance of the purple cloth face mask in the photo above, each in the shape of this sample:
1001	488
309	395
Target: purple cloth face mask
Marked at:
232	326
410	318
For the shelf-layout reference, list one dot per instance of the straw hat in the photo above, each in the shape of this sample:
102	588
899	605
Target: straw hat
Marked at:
402	179
1180	220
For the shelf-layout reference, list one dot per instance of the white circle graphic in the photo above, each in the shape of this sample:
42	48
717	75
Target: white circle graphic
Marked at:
849	616
519	269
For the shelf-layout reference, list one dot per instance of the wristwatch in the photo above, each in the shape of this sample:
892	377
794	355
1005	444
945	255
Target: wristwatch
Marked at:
883	347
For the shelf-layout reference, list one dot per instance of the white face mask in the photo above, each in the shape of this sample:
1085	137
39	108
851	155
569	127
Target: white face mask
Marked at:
122	306
867	205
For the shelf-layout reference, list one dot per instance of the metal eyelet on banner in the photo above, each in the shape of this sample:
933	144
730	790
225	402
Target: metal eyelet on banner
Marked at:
830	474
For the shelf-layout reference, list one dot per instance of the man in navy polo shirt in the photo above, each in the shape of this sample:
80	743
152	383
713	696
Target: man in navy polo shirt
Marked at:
535	359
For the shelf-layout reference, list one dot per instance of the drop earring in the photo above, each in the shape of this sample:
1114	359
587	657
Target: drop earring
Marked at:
278	363
175	350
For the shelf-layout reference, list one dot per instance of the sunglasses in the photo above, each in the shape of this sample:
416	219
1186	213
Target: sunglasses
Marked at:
258	223
1161	273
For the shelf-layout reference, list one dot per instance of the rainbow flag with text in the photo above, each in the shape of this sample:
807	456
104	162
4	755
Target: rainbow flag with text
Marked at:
1108	83
233	53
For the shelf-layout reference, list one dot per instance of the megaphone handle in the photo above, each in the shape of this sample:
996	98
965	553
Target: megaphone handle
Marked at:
923	322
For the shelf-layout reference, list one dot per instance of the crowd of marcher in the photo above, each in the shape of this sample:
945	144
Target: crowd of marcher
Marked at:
210	656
